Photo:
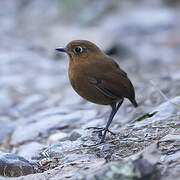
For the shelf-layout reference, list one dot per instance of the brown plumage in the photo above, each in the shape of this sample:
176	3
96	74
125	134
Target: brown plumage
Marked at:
97	77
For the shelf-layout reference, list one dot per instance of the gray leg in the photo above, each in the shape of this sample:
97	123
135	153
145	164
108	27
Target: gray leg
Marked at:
113	112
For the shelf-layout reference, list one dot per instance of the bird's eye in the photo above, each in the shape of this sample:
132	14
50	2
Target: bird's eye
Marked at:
78	49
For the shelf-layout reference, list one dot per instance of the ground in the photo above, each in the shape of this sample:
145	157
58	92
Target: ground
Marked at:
43	121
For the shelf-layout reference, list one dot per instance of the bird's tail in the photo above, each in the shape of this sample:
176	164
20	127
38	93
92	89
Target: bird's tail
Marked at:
133	101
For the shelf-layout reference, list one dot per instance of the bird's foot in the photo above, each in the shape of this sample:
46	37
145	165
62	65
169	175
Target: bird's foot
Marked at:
103	134
101	130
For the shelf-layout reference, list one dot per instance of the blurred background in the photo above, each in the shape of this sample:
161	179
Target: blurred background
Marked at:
142	36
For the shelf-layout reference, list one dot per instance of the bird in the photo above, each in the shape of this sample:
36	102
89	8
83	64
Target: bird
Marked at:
97	78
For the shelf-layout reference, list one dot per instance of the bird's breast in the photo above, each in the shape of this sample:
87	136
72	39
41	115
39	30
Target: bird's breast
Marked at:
84	88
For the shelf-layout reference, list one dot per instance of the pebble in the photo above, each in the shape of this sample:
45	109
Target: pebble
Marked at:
59	136
75	135
29	132
30	151
61	149
12	165
6	129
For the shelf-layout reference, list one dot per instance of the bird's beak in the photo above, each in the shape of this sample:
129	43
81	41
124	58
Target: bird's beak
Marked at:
62	49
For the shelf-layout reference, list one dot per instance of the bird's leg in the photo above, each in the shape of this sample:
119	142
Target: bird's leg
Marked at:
113	112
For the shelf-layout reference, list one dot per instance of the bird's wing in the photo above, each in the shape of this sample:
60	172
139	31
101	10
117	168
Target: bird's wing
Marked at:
99	85
111	81
114	87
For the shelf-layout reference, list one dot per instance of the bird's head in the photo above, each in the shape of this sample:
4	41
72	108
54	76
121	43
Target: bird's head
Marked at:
78	49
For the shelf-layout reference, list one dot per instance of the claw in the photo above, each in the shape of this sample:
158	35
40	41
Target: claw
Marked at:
100	130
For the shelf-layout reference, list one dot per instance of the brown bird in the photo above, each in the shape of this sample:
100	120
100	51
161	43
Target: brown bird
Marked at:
97	77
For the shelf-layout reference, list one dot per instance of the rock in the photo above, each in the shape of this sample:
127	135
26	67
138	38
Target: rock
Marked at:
30	150
65	151
5	100
171	158
60	110
140	169
75	135
88	115
164	111
12	165
41	127
59	150
6	129
74	157
96	122
47	112
171	137
69	170
30	101
75	99
148	171
152	154
175	75
119	50
137	19
59	136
